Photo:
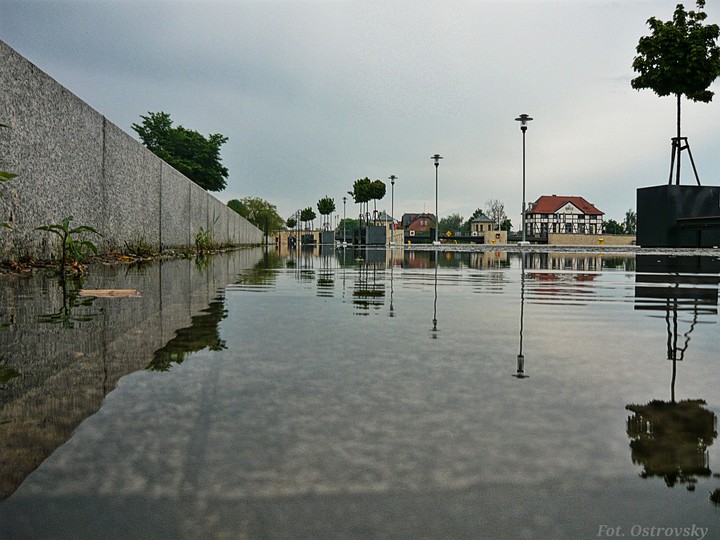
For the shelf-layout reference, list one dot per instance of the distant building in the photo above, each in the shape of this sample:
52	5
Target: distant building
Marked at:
556	214
481	224
418	224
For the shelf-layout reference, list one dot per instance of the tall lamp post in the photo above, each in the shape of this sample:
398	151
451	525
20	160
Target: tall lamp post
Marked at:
437	158
344	222
392	208
523	119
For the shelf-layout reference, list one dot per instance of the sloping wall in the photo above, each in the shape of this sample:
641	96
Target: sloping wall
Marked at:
70	160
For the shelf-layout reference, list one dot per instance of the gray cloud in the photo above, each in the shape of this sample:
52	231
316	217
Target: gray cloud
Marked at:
314	94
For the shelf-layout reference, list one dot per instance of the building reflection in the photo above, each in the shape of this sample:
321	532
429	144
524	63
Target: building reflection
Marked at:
486	260
670	439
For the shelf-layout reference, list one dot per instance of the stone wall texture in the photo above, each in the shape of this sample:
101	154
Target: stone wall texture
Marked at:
71	161
565	239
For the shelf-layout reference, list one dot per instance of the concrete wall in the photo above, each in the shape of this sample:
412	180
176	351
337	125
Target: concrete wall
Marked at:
564	239
71	161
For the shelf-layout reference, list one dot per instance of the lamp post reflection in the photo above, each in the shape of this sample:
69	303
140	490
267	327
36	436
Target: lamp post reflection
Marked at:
435	330
520	373
392	267
392	208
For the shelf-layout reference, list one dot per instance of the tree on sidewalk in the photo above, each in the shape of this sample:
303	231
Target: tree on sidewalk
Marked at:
680	58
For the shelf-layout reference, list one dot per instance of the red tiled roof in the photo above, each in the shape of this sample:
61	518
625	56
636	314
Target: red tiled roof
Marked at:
549	204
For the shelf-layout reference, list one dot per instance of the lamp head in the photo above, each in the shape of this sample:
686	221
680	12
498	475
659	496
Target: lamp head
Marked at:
523	119
437	158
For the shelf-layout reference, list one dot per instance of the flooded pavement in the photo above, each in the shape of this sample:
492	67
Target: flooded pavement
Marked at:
371	394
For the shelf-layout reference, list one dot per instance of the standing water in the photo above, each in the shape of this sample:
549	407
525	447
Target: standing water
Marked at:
361	394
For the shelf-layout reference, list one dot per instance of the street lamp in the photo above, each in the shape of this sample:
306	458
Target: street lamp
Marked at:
344	222
437	158
392	208
523	119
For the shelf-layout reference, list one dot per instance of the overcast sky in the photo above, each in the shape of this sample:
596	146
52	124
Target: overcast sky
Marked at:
315	94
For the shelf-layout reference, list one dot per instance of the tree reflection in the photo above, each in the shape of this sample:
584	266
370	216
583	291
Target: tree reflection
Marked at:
203	333
369	288
671	439
264	272
326	273
7	373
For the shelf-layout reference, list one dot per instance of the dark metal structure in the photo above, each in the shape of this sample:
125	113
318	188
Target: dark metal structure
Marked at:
678	216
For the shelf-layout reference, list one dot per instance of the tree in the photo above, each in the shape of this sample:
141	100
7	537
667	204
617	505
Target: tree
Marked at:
192	154
361	193
326	206
239	207
630	222
613	227
495	211
506	225
291	222
259	212
452	223
307	215
681	58
349	225
377	192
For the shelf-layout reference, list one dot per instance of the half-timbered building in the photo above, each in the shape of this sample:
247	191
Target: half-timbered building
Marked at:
559	214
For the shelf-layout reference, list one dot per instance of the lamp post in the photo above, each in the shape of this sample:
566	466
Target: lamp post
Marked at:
344	222
437	158
392	208
523	119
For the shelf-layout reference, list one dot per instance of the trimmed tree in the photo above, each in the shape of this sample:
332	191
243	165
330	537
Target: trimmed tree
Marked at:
680	58
326	206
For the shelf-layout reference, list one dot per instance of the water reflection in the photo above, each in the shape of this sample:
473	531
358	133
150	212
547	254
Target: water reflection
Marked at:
203	333
369	287
434	330
670	439
7	373
53	376
520	371
73	307
326	273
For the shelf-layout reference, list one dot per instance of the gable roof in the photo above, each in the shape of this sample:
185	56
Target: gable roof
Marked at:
549	204
408	219
482	218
